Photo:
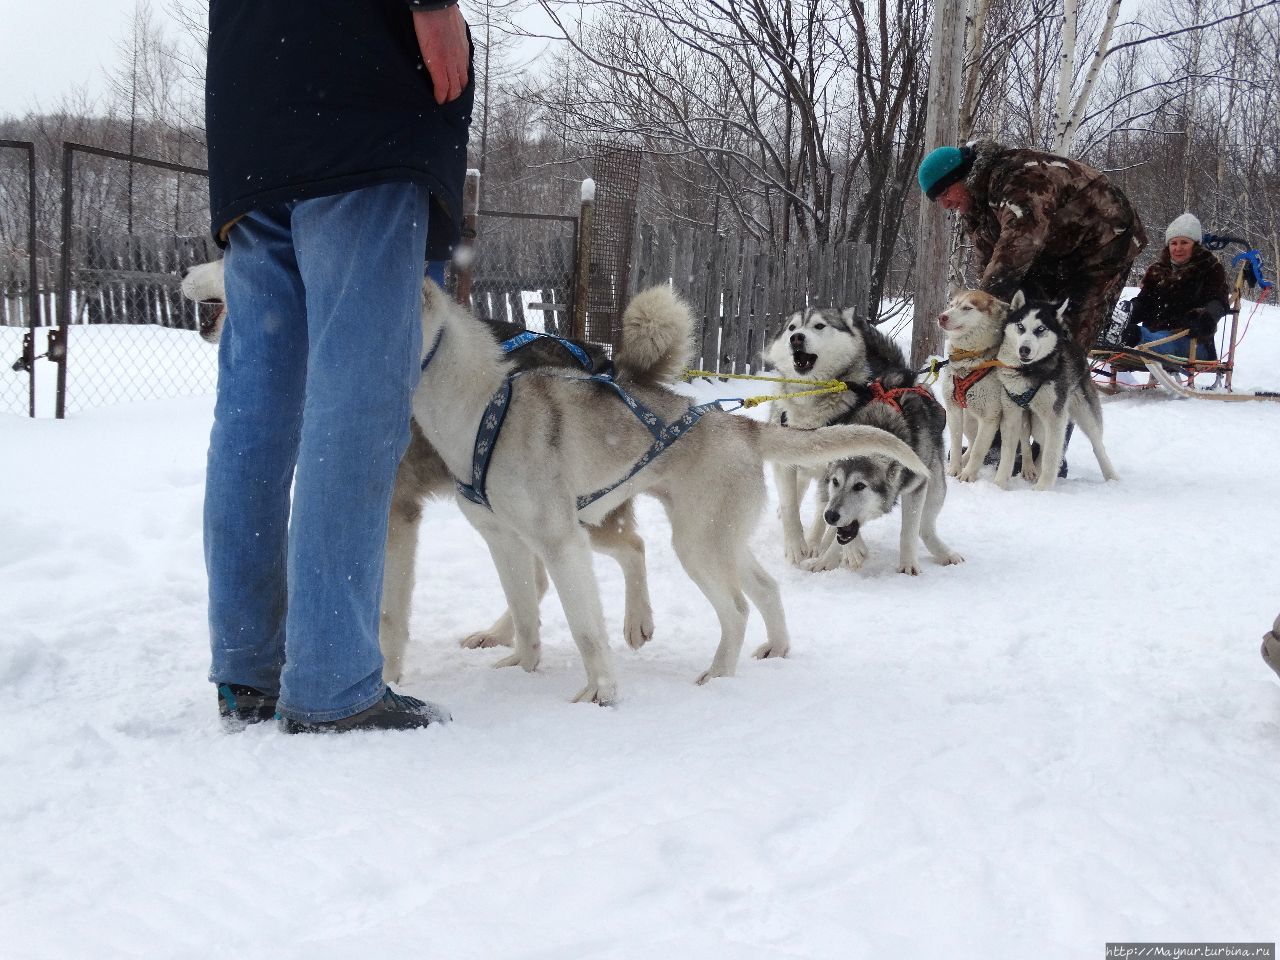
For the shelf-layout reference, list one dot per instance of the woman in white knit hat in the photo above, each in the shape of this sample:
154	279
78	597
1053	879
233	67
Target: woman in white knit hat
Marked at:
1185	289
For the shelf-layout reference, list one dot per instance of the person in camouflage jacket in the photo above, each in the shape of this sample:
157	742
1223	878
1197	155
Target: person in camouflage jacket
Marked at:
1047	225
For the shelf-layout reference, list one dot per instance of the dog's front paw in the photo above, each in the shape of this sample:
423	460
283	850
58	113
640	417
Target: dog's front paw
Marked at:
949	558
855	554
526	661
953	467
771	649
967	476
495	636
797	551
1029	472
820	563
638	629
603	692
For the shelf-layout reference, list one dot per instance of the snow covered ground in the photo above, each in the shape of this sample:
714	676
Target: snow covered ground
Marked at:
1069	739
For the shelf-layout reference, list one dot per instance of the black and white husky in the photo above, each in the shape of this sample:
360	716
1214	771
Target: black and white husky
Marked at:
1044	373
862	489
816	344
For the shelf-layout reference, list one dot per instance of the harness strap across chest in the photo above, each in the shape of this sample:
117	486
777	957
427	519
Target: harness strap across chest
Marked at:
495	413
960	386
1024	399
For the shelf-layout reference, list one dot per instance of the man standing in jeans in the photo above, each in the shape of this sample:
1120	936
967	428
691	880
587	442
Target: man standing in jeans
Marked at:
337	134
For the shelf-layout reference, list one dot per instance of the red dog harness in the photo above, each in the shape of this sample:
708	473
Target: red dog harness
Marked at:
962	386
894	396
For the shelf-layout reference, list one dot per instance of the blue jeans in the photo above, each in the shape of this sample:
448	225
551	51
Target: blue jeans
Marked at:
318	361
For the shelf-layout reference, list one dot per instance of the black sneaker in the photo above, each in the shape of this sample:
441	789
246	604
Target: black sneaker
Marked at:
394	711
239	705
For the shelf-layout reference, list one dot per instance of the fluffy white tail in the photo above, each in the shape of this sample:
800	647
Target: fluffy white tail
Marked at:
813	448
656	331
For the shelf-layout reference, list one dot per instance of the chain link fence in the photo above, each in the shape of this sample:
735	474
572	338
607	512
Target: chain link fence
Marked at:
131	226
19	280
522	271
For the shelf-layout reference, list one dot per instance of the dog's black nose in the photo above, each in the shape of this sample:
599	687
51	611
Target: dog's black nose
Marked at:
832	517
797	341
1024	352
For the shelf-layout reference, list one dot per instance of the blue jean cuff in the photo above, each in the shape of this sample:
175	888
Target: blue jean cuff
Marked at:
325	716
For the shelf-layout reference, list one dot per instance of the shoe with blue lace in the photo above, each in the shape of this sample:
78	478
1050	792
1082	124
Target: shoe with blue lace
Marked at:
239	705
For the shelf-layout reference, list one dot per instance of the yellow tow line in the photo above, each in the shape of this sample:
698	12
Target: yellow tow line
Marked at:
821	386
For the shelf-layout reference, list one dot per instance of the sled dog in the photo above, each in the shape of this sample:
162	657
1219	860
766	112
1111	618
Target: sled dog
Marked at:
973	324
861	489
1044	372
566	439
422	475
822	343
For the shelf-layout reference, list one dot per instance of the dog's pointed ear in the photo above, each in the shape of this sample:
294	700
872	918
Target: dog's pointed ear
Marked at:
1018	302
953	289
1062	310
849	315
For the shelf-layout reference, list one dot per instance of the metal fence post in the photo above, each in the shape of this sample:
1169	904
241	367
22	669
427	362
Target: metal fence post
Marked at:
464	257
58	346
582	260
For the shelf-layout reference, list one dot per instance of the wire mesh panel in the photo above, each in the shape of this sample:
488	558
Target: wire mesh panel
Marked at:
130	334
523	269
19	280
617	177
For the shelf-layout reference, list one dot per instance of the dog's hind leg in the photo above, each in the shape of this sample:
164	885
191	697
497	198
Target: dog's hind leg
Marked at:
912	508
616	537
762	590
397	575
955	438
1091	424
934	497
503	631
714	572
1055	438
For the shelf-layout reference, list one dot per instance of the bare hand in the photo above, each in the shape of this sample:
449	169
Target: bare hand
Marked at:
442	38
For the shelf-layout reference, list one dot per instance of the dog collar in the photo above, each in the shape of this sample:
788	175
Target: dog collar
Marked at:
435	345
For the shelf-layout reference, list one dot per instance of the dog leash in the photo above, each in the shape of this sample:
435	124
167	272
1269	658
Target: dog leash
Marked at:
822	387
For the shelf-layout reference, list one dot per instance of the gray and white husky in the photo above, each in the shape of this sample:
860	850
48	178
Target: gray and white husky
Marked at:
862	489
821	343
422	476
1044	372
566	437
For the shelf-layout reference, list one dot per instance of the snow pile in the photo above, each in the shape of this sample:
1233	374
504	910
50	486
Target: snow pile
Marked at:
1068	739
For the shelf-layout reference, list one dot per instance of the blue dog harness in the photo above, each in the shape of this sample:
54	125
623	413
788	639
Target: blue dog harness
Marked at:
664	434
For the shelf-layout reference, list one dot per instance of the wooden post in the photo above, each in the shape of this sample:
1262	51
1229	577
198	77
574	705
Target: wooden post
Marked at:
464	257
941	128
582	260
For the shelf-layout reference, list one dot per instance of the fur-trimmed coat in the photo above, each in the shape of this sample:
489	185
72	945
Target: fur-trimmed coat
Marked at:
1172	296
1037	213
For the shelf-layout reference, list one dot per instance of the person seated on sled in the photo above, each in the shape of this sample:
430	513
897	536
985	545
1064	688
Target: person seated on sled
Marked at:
1185	289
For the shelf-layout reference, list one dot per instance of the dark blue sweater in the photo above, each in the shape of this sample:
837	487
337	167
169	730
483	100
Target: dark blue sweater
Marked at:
310	99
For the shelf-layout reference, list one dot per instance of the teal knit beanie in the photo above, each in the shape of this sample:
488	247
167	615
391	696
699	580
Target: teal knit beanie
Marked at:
943	167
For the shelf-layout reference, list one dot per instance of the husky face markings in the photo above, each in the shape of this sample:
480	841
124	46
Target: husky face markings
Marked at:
972	313
1045	376
858	491
816	343
1033	334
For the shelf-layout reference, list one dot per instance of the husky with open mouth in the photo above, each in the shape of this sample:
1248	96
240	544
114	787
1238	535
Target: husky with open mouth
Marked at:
816	344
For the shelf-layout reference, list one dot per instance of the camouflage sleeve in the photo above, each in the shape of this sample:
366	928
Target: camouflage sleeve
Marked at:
1025	206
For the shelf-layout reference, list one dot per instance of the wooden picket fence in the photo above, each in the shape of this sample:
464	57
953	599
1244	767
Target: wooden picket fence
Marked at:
742	289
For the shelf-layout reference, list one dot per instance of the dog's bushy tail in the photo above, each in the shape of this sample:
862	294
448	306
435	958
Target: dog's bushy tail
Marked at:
815	448
657	328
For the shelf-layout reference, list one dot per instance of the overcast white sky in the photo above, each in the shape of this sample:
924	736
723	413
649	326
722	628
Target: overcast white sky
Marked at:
47	47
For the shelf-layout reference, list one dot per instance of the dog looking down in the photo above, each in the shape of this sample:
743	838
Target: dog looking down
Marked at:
565	436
